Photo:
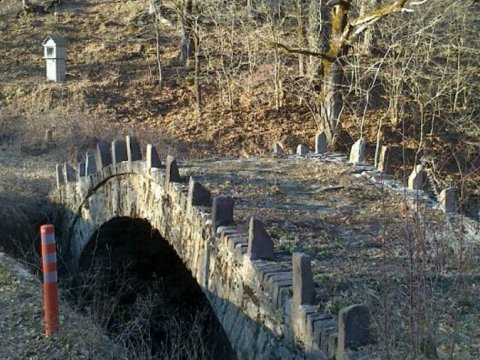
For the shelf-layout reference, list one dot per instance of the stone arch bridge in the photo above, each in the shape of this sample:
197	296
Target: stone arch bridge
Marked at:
264	299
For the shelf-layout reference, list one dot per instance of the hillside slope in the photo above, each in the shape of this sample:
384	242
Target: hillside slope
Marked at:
251	93
21	323
112	75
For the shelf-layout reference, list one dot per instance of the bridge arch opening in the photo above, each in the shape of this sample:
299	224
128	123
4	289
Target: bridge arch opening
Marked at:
132	281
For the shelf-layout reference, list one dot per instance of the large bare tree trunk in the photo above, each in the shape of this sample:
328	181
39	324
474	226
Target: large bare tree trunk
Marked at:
369	33
249	8
187	28
156	6
332	104
198	94
317	34
300	14
333	72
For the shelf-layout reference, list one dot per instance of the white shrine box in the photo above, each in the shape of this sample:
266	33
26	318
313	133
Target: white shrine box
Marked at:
55	54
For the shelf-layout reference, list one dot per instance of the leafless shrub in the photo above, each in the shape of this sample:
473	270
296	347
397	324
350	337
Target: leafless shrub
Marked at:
146	328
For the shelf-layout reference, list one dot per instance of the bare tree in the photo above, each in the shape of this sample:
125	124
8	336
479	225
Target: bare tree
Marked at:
341	33
156	6
187	45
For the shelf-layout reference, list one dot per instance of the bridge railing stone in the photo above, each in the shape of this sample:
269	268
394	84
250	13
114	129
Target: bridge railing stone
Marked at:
90	163
70	173
302	150
320	143
277	149
81	170
260	244
59	175
119	151
222	211
303	286
353	330
448	200
416	178
103	156
173	174
134	152
198	194
152	158
357	153
383	164
138	167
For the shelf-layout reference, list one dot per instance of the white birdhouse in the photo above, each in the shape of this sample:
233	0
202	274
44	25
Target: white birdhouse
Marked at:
55	54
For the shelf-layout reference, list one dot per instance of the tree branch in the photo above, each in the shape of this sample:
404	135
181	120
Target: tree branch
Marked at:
353	29
301	51
363	22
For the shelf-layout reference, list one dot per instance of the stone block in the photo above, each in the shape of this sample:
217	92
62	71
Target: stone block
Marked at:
332	344
173	175
302	150
303	286
158	176
104	156
224	231
48	136
353	328
240	250
383	163
234	239
266	269
357	154
320	143
90	163
137	167
312	320
351	354
198	195
119	151
271	278
59	175
260	244
153	160
183	201
222	211
134	152
325	338
281	290
416	178
322	324
277	149
81	169
69	172
448	200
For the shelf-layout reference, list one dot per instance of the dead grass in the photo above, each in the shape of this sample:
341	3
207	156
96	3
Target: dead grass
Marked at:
21	323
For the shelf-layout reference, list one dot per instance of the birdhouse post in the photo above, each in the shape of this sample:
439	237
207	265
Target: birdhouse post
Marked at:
55	54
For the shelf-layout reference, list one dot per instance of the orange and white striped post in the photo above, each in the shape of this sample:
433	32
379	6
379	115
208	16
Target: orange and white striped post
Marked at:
50	284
